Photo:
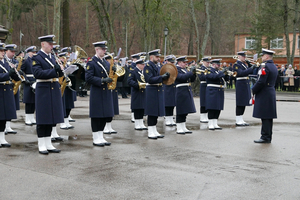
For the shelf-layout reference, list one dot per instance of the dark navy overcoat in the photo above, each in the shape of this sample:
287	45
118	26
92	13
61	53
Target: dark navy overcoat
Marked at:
7	101
155	100
265	95
138	96
184	95
28	94
215	95
202	77
48	101
101	101
170	92
242	86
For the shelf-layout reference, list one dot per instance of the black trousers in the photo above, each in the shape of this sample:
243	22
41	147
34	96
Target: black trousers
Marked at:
98	124
67	113
29	108
44	130
2	125
239	110
152	120
181	118
138	113
266	129
203	109
169	110
213	114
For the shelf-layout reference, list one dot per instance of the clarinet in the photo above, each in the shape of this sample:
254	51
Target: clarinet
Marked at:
14	67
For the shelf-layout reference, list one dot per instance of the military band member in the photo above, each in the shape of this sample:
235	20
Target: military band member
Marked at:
7	103
48	102
101	103
265	96
242	87
170	92
134	58
136	80
68	97
10	51
108	128
184	96
214	94
28	93
155	104
203	85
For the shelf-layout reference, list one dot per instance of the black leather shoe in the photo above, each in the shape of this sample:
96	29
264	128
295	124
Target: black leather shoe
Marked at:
261	141
154	138
160	136
246	124
218	128
169	124
11	132
203	121
181	133
53	150
70	127
114	132
108	133
44	152
211	129
189	132
27	124
58	139
107	143
138	129
132	121
64	128
145	128
240	124
99	144
72	120
5	145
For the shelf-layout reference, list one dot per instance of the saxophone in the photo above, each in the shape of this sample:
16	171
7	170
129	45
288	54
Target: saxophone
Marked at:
21	77
112	75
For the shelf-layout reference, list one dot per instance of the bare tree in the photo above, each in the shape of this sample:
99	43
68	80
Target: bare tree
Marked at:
56	20
207	28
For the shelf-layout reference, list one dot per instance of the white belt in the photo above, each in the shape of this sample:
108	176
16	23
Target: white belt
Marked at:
6	82
157	84
183	84
47	80
30	75
242	78
202	81
215	85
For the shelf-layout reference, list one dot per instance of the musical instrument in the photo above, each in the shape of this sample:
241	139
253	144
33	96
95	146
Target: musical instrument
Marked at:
171	68
249	60
80	53
21	77
198	70
230	73
120	71
64	81
142	85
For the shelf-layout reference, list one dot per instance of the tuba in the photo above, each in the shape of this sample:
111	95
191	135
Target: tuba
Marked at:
80	53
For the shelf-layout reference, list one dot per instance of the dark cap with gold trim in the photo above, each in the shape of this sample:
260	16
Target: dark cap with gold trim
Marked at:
11	47
31	49
102	44
47	38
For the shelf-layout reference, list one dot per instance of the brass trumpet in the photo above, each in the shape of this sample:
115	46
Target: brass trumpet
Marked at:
198	71
249	60
230	73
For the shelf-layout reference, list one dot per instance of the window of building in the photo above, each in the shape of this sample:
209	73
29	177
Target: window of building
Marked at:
250	43
277	43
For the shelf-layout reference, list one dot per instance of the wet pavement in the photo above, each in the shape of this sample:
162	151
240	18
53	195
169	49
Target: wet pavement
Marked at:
222	164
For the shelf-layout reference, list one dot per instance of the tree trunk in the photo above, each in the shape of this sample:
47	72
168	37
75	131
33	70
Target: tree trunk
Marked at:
207	29
87	36
196	29
286	31
110	26
46	18
9	20
56	20
103	29
295	23
66	24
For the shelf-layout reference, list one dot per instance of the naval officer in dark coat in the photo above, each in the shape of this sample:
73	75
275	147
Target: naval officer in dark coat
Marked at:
10	51
28	94
203	85
136	80
265	96
214	94
7	103
184	95
48	102
242	86
155	102
170	92
101	101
